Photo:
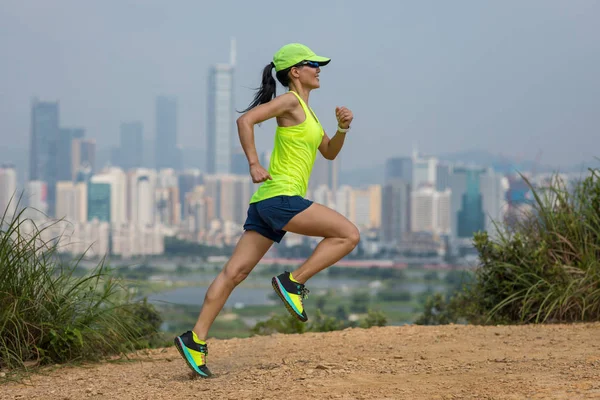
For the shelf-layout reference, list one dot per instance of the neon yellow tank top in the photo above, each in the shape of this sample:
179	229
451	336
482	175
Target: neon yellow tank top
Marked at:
293	157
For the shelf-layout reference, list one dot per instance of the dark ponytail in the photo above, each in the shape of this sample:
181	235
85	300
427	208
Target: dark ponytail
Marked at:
268	86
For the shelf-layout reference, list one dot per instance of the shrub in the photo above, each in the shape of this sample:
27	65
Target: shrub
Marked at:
545	268
51	313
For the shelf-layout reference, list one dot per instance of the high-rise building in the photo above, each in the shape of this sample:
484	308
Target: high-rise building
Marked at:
83	157
221	138
325	172
132	145
116	180
399	168
424	172
167	154
71	201
466	202
444	224
43	145
141	203
430	211
36	198
343	199
442	177
494	188
99	194
239	162
395	211
365	207
187	181
8	190
64	152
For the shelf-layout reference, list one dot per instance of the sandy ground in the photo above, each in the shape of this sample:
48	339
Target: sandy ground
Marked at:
409	362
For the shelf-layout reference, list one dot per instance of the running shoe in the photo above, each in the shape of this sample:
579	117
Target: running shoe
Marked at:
292	294
194	352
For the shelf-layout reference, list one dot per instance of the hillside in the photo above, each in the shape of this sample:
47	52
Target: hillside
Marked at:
409	362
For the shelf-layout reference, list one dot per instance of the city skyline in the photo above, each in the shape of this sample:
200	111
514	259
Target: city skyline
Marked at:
448	78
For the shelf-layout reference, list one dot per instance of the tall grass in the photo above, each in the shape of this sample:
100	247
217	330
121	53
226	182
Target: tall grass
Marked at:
544	268
49	315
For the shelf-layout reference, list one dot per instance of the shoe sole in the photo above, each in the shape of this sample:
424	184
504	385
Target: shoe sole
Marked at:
187	362
285	303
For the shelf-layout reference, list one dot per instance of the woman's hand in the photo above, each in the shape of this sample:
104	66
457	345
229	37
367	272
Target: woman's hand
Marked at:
344	117
259	174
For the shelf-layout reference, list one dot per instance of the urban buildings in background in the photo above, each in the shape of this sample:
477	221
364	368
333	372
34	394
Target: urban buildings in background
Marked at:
128	206
220	133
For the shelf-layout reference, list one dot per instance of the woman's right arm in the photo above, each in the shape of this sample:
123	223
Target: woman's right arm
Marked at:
274	108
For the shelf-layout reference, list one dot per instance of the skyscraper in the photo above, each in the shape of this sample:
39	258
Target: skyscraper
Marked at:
8	190
424	172
99	194
167	154
117	183
395	210
64	152
325	172
132	145
36	197
43	145
466	202
399	168
83	157
220	118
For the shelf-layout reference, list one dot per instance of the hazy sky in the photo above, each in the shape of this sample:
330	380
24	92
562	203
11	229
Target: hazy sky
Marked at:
511	77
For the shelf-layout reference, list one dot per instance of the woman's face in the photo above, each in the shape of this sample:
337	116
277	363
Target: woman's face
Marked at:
308	74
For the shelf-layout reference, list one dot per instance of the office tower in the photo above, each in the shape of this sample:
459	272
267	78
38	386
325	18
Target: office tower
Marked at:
444	224
430	211
221	135
8	190
83	157
467	215
141	203
117	189
71	201
43	145
424	172
442	177
167	154
99	194
239	162
343	198
36	197
131	145
187	181
64	152
325	172
399	168
395	210
365	207
494	188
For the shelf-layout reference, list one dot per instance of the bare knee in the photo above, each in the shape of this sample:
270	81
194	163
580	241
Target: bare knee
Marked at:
235	274
353	237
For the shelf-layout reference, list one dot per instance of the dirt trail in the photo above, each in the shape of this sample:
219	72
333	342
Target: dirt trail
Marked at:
409	362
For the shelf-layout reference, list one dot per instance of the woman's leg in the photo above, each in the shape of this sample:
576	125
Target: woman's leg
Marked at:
251	247
340	238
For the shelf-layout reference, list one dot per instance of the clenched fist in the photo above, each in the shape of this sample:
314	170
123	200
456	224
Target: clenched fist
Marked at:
259	174
344	117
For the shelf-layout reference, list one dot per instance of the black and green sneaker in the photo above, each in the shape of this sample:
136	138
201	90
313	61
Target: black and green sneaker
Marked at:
292	294
194	352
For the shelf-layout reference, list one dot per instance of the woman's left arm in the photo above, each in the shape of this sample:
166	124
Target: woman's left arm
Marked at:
330	148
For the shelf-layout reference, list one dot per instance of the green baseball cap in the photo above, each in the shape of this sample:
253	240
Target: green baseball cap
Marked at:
293	53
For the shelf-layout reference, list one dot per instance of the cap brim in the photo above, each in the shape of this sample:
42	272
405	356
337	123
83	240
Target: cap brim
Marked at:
321	60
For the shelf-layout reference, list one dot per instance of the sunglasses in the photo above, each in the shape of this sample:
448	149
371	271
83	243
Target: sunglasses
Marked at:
311	64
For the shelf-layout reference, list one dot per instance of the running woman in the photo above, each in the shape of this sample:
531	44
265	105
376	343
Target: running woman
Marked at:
279	205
